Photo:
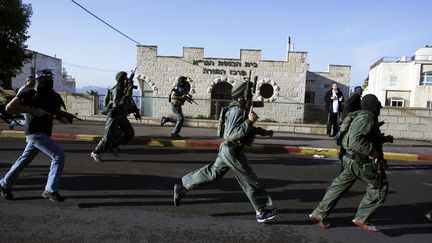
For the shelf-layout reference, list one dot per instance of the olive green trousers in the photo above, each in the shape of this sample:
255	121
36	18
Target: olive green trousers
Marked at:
118	130
229	158
374	197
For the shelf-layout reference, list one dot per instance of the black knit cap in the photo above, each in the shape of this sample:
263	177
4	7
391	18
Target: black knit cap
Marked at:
370	103
358	89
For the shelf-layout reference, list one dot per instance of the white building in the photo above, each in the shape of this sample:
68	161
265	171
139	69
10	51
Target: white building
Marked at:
39	61
403	81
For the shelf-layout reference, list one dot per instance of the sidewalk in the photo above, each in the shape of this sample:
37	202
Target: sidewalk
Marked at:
294	143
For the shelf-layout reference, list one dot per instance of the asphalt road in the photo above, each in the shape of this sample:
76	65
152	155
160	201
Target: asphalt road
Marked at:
129	199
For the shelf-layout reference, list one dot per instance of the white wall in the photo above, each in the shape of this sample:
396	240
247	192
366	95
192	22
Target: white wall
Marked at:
41	61
408	74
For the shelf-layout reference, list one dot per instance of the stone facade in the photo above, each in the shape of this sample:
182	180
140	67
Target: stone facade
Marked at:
280	84
402	123
42	61
84	105
407	123
317	85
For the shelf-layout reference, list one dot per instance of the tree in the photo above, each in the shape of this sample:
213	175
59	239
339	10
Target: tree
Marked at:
14	22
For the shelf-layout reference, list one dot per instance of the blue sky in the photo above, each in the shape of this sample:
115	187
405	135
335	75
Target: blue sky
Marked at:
355	33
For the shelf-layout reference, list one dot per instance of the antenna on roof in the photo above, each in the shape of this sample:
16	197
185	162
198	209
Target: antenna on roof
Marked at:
290	47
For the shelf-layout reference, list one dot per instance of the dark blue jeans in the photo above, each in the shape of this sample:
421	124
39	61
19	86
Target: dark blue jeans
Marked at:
38	142
178	118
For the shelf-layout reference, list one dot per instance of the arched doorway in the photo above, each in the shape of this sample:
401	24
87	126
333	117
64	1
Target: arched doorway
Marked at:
220	97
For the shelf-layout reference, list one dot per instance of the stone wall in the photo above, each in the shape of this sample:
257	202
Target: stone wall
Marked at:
281	84
287	79
317	85
402	123
84	105
407	123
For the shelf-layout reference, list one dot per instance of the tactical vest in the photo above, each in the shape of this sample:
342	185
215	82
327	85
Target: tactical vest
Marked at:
345	126
108	98
351	116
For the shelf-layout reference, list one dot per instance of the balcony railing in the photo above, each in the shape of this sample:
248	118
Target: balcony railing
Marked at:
403	59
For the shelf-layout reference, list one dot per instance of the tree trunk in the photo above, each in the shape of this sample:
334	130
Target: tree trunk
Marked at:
5	82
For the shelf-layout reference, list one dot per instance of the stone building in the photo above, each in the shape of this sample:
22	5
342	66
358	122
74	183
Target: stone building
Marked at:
282	85
62	83
403	81
317	85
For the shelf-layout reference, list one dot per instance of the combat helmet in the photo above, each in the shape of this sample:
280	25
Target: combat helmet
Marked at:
119	75
238	90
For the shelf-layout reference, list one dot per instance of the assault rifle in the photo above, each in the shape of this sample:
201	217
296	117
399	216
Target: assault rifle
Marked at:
190	99
248	97
55	113
59	115
133	107
64	114
249	93
380	162
130	79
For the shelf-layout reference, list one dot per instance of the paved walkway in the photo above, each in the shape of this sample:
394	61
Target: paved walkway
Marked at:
313	145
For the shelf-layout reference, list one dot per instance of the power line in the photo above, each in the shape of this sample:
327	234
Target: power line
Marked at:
118	31
88	67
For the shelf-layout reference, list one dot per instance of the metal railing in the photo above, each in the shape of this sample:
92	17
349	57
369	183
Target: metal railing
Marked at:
312	113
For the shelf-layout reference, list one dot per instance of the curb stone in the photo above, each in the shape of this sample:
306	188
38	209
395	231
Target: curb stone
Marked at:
211	144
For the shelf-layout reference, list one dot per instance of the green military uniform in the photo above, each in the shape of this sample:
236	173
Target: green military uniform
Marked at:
238	132
117	120
358	143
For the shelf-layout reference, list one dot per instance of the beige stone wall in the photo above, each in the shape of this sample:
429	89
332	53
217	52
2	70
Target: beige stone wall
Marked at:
407	123
83	105
402	123
288	79
319	83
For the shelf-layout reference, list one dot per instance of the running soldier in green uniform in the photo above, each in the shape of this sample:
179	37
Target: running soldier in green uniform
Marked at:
239	132
363	160
117	120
